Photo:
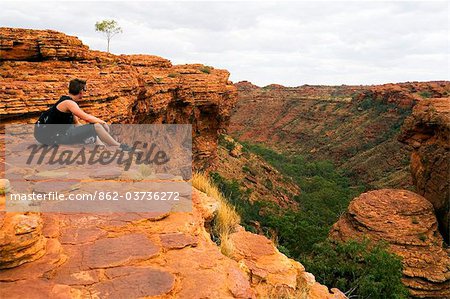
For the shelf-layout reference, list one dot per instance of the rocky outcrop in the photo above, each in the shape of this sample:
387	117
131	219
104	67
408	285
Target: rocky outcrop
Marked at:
406	221
354	126
21	239
36	66
37	45
257	256
405	95
427	131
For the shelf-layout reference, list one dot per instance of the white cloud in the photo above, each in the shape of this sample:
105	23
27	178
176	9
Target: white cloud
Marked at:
289	43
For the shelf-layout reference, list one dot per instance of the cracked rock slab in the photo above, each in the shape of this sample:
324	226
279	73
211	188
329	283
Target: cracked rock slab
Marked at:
110	252
133	282
177	240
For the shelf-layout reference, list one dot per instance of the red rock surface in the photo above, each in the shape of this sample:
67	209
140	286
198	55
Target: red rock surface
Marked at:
21	239
258	257
427	131
37	65
136	255
407	222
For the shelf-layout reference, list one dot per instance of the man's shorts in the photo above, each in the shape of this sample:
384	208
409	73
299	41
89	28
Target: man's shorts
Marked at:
83	134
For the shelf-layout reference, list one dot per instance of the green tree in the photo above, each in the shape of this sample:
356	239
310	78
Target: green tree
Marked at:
109	28
360	269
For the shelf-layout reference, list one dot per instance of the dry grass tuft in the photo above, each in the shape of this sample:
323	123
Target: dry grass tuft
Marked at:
146	170
226	220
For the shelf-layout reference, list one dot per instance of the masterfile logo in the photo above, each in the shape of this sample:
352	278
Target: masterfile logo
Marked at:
153	174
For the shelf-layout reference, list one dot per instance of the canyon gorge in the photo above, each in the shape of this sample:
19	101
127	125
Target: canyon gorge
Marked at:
391	140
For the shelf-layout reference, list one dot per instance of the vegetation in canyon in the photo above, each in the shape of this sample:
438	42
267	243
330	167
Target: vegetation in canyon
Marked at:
302	233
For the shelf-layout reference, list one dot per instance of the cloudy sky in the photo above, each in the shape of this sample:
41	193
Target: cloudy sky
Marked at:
289	43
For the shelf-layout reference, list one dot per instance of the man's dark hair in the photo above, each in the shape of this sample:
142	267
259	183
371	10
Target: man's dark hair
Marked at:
76	85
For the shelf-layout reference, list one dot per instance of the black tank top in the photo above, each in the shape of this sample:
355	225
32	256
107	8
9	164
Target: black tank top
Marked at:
57	117
61	122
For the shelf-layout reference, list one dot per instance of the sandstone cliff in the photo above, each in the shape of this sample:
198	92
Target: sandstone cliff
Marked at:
427	131
407	222
131	255
36	66
354	126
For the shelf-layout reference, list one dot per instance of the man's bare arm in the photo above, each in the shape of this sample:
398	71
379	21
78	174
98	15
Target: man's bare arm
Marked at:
78	112
76	121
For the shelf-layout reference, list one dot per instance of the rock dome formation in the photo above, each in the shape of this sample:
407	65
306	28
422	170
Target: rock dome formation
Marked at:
406	221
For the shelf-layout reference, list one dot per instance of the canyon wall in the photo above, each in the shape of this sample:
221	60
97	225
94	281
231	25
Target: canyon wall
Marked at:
412	223
354	126
427	131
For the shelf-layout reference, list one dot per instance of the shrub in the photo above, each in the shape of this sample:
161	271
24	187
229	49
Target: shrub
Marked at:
357	268
425	94
145	170
205	69
422	237
367	103
268	184
229	145
246	169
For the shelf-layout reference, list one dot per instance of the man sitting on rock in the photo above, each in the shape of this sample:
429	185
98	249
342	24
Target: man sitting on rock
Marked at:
60	124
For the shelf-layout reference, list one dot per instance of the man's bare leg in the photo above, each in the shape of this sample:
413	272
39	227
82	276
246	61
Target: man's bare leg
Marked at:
99	142
104	136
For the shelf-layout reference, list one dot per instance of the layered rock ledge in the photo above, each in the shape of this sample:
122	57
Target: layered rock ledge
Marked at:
427	131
